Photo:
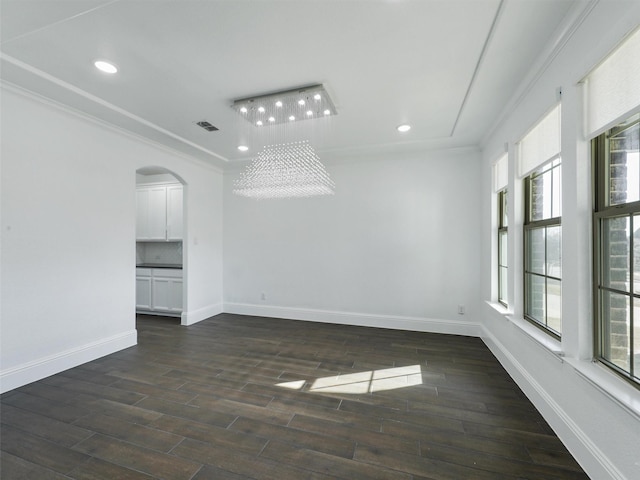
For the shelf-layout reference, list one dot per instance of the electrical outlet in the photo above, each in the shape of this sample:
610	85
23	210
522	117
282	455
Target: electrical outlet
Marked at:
460	309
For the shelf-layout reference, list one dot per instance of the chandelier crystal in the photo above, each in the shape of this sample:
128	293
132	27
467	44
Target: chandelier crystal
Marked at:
285	170
287	165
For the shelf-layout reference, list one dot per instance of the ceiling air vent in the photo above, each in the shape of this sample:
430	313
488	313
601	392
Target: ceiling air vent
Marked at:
207	126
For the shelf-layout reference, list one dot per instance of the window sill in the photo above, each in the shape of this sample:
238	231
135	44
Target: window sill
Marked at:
500	308
540	338
624	394
606	381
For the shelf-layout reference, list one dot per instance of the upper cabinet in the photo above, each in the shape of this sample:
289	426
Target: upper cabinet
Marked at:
174	212
159	213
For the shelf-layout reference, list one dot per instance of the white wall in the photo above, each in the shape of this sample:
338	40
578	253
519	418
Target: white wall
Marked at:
68	238
396	246
594	412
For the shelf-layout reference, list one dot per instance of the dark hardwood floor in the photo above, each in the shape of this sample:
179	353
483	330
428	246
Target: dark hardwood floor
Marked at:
238	397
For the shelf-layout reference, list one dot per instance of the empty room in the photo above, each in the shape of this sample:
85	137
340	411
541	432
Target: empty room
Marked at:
316	239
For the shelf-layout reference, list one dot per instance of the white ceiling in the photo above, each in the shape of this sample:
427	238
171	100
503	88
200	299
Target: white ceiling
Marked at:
447	67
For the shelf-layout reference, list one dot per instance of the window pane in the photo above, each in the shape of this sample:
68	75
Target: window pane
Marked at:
541	200
536	246
504	208
554	305
636	254
535	297
556	197
636	338
554	252
624	166
502	238
615	328
615	253
502	293
545	191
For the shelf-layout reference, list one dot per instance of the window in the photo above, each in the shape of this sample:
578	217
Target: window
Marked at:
542	248
502	247
617	247
500	180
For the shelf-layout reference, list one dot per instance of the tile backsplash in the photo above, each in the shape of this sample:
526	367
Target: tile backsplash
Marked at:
159	252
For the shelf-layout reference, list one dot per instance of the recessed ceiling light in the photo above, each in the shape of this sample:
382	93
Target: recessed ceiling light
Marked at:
292	118
278	104
327	112
261	109
403	128
301	102
272	119
309	113
317	96
243	109
243	148
105	67
259	123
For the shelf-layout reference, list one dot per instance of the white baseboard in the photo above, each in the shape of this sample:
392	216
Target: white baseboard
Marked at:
416	324
195	316
20	375
586	452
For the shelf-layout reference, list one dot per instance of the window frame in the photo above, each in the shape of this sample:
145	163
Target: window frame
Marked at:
528	226
503	230
603	210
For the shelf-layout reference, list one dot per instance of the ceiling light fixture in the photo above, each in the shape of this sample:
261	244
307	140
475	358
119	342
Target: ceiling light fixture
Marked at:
403	128
285	167
105	67
282	106
243	148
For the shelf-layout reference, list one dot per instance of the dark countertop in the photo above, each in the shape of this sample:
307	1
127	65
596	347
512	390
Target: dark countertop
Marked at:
159	265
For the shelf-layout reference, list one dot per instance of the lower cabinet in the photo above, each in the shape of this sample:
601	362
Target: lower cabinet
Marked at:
159	291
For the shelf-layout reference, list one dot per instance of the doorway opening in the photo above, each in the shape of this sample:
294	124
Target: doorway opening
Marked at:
160	257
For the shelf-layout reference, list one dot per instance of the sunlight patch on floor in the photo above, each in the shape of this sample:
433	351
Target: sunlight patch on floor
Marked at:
362	382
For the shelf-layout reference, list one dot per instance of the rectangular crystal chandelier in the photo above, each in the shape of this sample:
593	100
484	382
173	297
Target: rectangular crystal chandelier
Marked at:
290	168
283	171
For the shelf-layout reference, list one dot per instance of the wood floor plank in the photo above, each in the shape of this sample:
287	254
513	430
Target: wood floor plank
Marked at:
131	456
97	469
16	468
141	435
243	398
190	412
416	465
330	465
355	434
39	451
47	428
244	465
215	436
330	444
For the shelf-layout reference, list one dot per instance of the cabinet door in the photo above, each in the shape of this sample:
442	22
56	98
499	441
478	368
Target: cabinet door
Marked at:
151	209
143	293
167	294
174	212
176	295
161	293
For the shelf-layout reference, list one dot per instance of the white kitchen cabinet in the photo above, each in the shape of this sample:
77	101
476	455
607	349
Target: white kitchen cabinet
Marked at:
159	213
143	289
162	287
174	212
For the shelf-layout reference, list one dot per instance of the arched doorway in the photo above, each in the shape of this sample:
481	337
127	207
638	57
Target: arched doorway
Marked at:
161	288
